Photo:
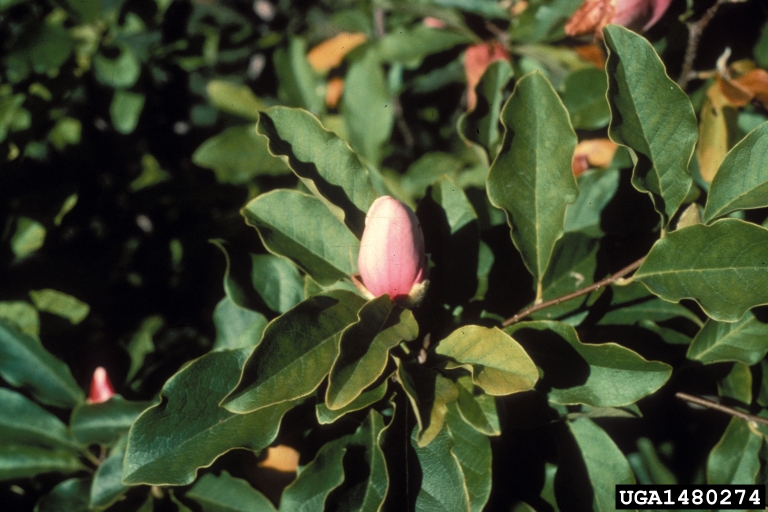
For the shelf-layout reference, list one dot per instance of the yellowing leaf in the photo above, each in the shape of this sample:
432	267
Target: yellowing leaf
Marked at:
281	458
593	153
329	54
333	91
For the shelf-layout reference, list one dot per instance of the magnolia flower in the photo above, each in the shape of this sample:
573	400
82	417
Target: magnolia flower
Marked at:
593	15
391	259
101	388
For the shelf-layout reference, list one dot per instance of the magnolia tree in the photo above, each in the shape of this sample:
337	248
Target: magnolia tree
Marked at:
503	298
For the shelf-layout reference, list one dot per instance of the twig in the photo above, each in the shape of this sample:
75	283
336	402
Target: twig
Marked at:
695	30
578	293
719	407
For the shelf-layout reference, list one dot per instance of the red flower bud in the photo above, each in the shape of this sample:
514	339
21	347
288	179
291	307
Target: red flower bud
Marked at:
391	259
101	388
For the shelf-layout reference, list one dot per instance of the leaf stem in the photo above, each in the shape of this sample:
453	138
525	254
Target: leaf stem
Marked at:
719	407
695	30
578	293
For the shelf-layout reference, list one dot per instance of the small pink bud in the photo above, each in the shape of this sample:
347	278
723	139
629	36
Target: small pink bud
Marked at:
101	388
391	259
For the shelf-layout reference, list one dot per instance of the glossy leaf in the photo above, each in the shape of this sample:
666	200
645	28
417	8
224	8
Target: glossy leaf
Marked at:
584	96
70	495
24	422
745	341
734	459
225	493
363	400
497	362
105	422
606	465
442	485
278	282
531	179
236	326
477	408
60	304
429	394
637	85
598	375
107	486
722	267
315	240
25	363
237	155
18	461
364	349
367	108
189	430
472	450
325	163
742	180
317	479
284	366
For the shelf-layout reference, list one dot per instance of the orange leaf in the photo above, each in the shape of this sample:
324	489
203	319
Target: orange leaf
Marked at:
593	153
281	458
592	53
756	83
476	61
329	54
591	17
333	91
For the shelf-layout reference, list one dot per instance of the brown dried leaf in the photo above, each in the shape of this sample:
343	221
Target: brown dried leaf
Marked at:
591	17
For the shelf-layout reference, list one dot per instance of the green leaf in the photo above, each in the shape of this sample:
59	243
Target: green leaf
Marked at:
237	327
235	99
597	375
531	179
584	93
659	474
285	366
188	430
314	239
225	493
278	282
485	8
151	174
367	107
737	384
120	72
60	304
66	207
141	344
477	408
105	422
633	303
107	486
21	315
606	465
70	495
125	110
637	85
237	155
298	82
24	422
67	131
741	181
429	394
442	486
596	189
366	398
497	362
723	267
364	349
28	238
410	47
745	341
26	461
734	459
25	363
472	450
317	479
324	162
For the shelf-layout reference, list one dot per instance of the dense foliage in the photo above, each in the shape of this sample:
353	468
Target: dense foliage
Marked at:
184	189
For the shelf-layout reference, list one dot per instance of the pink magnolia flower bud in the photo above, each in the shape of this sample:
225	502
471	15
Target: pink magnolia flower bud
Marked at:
101	387
391	259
